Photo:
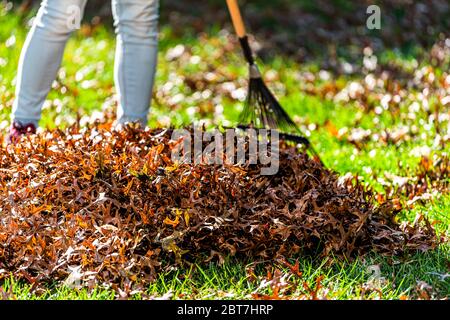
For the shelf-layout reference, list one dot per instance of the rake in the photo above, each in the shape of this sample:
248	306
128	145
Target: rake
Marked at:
262	109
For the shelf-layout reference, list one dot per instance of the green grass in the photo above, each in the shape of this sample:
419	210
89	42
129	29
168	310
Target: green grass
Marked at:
85	82
343	280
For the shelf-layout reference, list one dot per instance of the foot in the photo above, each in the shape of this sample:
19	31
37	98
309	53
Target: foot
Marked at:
18	129
120	126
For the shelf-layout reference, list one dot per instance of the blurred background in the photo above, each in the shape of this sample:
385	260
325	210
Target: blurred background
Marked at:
303	29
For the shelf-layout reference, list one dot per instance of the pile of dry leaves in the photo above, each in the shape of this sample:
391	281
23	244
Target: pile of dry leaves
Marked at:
111	207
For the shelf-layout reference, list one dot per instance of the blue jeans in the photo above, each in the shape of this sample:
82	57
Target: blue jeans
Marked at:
136	25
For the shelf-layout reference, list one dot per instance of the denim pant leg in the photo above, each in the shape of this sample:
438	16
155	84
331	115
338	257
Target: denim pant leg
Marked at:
136	25
42	54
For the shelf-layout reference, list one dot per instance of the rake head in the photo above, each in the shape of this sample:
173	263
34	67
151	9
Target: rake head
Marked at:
262	108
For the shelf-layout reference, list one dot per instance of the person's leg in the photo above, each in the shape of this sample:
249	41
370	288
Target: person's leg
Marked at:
136	23
41	56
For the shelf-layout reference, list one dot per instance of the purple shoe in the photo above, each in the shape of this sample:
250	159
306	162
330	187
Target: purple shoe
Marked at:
18	129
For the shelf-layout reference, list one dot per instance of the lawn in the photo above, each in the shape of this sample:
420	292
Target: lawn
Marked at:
388	124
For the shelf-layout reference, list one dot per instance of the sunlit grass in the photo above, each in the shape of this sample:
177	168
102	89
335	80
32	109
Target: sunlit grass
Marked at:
344	280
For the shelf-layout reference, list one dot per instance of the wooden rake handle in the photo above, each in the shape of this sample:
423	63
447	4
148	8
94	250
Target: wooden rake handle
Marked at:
236	17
